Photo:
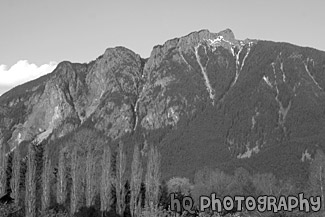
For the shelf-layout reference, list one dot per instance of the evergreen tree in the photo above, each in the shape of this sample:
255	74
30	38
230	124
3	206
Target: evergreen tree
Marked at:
265	184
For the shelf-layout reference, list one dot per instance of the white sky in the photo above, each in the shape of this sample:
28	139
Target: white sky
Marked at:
22	72
44	31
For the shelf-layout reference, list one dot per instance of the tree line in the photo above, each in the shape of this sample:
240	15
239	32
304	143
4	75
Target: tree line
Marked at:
91	180
82	179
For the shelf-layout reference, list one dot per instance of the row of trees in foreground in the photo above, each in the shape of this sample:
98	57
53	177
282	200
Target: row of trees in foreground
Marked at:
95	177
92	180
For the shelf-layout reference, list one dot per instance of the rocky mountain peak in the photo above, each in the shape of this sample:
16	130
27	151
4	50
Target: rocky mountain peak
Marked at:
207	97
225	38
228	34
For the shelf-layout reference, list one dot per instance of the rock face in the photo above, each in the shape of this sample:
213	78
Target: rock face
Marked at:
207	99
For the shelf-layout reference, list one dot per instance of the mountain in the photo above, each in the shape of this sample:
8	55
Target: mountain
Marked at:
206	99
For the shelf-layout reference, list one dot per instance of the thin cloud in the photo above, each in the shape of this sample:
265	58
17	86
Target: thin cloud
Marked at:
22	72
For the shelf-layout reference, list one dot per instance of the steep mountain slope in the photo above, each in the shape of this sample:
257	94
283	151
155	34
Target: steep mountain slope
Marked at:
207	99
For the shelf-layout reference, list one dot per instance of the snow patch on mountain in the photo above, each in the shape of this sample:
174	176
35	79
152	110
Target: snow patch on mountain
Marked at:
205	75
305	156
249	152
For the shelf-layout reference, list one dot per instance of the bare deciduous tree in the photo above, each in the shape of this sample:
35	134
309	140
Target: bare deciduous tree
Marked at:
30	199
153	179
106	180
61	194
15	179
317	175
3	168
120	180
135	185
75	180
46	178
90	176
